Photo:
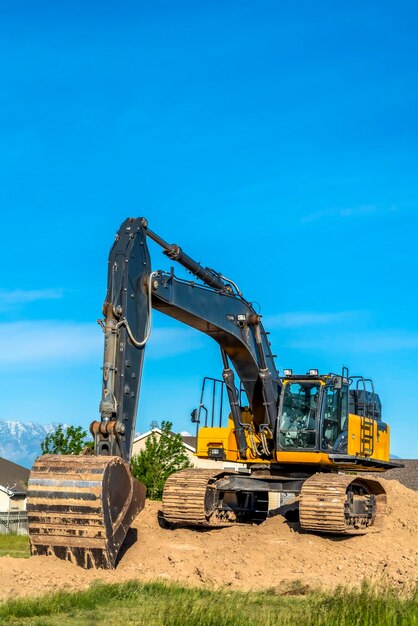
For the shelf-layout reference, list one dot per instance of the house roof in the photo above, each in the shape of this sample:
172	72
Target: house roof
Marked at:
13	477
189	442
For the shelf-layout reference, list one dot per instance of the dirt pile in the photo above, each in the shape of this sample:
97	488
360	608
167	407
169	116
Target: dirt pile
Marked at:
242	557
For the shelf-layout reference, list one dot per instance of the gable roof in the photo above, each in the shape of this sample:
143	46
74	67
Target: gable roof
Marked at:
188	442
13	477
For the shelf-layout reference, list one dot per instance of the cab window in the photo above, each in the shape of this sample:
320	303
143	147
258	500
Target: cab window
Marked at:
299	415
335	419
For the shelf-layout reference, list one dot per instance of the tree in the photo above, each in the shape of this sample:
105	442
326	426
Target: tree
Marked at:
160	458
69	440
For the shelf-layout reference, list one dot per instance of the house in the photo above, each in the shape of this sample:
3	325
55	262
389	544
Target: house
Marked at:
13	486
189	443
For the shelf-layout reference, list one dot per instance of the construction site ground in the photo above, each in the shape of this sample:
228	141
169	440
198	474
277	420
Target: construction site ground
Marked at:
271	556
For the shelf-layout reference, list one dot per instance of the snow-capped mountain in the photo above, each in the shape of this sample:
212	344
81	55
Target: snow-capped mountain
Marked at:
20	442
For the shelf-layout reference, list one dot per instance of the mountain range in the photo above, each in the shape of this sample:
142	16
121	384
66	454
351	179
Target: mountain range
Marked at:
20	442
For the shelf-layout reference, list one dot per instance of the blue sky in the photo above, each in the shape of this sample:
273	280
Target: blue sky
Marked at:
276	142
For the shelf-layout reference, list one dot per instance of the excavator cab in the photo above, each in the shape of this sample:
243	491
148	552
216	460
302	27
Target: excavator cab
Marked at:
331	413
334	414
313	412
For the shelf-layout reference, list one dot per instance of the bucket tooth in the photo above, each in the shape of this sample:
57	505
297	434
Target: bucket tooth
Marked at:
81	507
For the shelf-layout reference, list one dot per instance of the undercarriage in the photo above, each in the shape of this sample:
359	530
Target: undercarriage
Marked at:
323	502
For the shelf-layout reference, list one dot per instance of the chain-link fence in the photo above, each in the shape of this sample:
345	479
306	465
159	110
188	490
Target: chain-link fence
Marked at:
13	522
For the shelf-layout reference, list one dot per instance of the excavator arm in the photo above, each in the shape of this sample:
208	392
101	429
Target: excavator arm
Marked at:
216	308
80	507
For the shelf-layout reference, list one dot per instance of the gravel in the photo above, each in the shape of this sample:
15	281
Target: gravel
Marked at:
407	475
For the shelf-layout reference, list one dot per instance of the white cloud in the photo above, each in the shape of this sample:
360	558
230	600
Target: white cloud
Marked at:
307	318
16	297
51	342
40	341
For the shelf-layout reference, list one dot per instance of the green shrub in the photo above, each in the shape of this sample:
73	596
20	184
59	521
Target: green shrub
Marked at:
161	457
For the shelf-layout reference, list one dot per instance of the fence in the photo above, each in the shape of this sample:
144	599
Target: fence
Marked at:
13	522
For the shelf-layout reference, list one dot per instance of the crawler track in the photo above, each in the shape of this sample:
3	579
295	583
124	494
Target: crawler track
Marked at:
184	499
342	504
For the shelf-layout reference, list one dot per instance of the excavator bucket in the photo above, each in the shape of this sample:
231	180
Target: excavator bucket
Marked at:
80	508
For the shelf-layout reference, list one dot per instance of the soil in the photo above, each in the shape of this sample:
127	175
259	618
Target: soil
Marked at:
271	556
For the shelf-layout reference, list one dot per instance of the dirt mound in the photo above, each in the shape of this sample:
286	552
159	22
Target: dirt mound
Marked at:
242	557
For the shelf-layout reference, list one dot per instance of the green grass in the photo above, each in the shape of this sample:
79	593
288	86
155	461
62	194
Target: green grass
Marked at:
133	603
14	545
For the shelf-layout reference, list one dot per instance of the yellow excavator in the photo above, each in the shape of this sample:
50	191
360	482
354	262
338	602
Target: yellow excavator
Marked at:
293	442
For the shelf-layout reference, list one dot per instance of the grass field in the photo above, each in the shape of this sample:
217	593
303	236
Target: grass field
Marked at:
153	604
14	545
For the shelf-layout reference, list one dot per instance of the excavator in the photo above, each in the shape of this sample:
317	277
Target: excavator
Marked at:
305	442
